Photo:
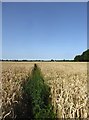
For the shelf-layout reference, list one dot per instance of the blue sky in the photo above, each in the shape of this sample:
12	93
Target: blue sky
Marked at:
44	30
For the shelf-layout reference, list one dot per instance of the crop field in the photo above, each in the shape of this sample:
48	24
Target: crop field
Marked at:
68	82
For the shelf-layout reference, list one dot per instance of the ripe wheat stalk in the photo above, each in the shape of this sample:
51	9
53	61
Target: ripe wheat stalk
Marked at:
68	83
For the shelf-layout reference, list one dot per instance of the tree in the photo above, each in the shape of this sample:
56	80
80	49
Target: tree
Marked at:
83	57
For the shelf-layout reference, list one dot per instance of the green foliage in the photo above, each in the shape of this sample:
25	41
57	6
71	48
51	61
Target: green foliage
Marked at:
52	60
83	57
39	93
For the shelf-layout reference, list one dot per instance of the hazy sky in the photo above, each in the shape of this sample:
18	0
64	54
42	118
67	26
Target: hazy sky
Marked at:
44	30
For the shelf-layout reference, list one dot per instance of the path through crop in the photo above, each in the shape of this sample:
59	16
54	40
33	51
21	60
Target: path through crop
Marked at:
35	102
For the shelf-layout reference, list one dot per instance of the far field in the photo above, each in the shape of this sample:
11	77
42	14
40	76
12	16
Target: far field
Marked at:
67	80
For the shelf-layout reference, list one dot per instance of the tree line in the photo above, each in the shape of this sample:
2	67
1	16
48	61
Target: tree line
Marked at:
83	57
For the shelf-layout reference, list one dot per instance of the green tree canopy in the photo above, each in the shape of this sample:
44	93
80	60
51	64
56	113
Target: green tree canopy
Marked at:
83	57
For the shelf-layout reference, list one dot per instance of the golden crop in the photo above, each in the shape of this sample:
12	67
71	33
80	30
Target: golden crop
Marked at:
13	76
68	83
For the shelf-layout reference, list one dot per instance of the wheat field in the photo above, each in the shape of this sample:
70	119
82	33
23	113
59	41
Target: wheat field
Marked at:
67	80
